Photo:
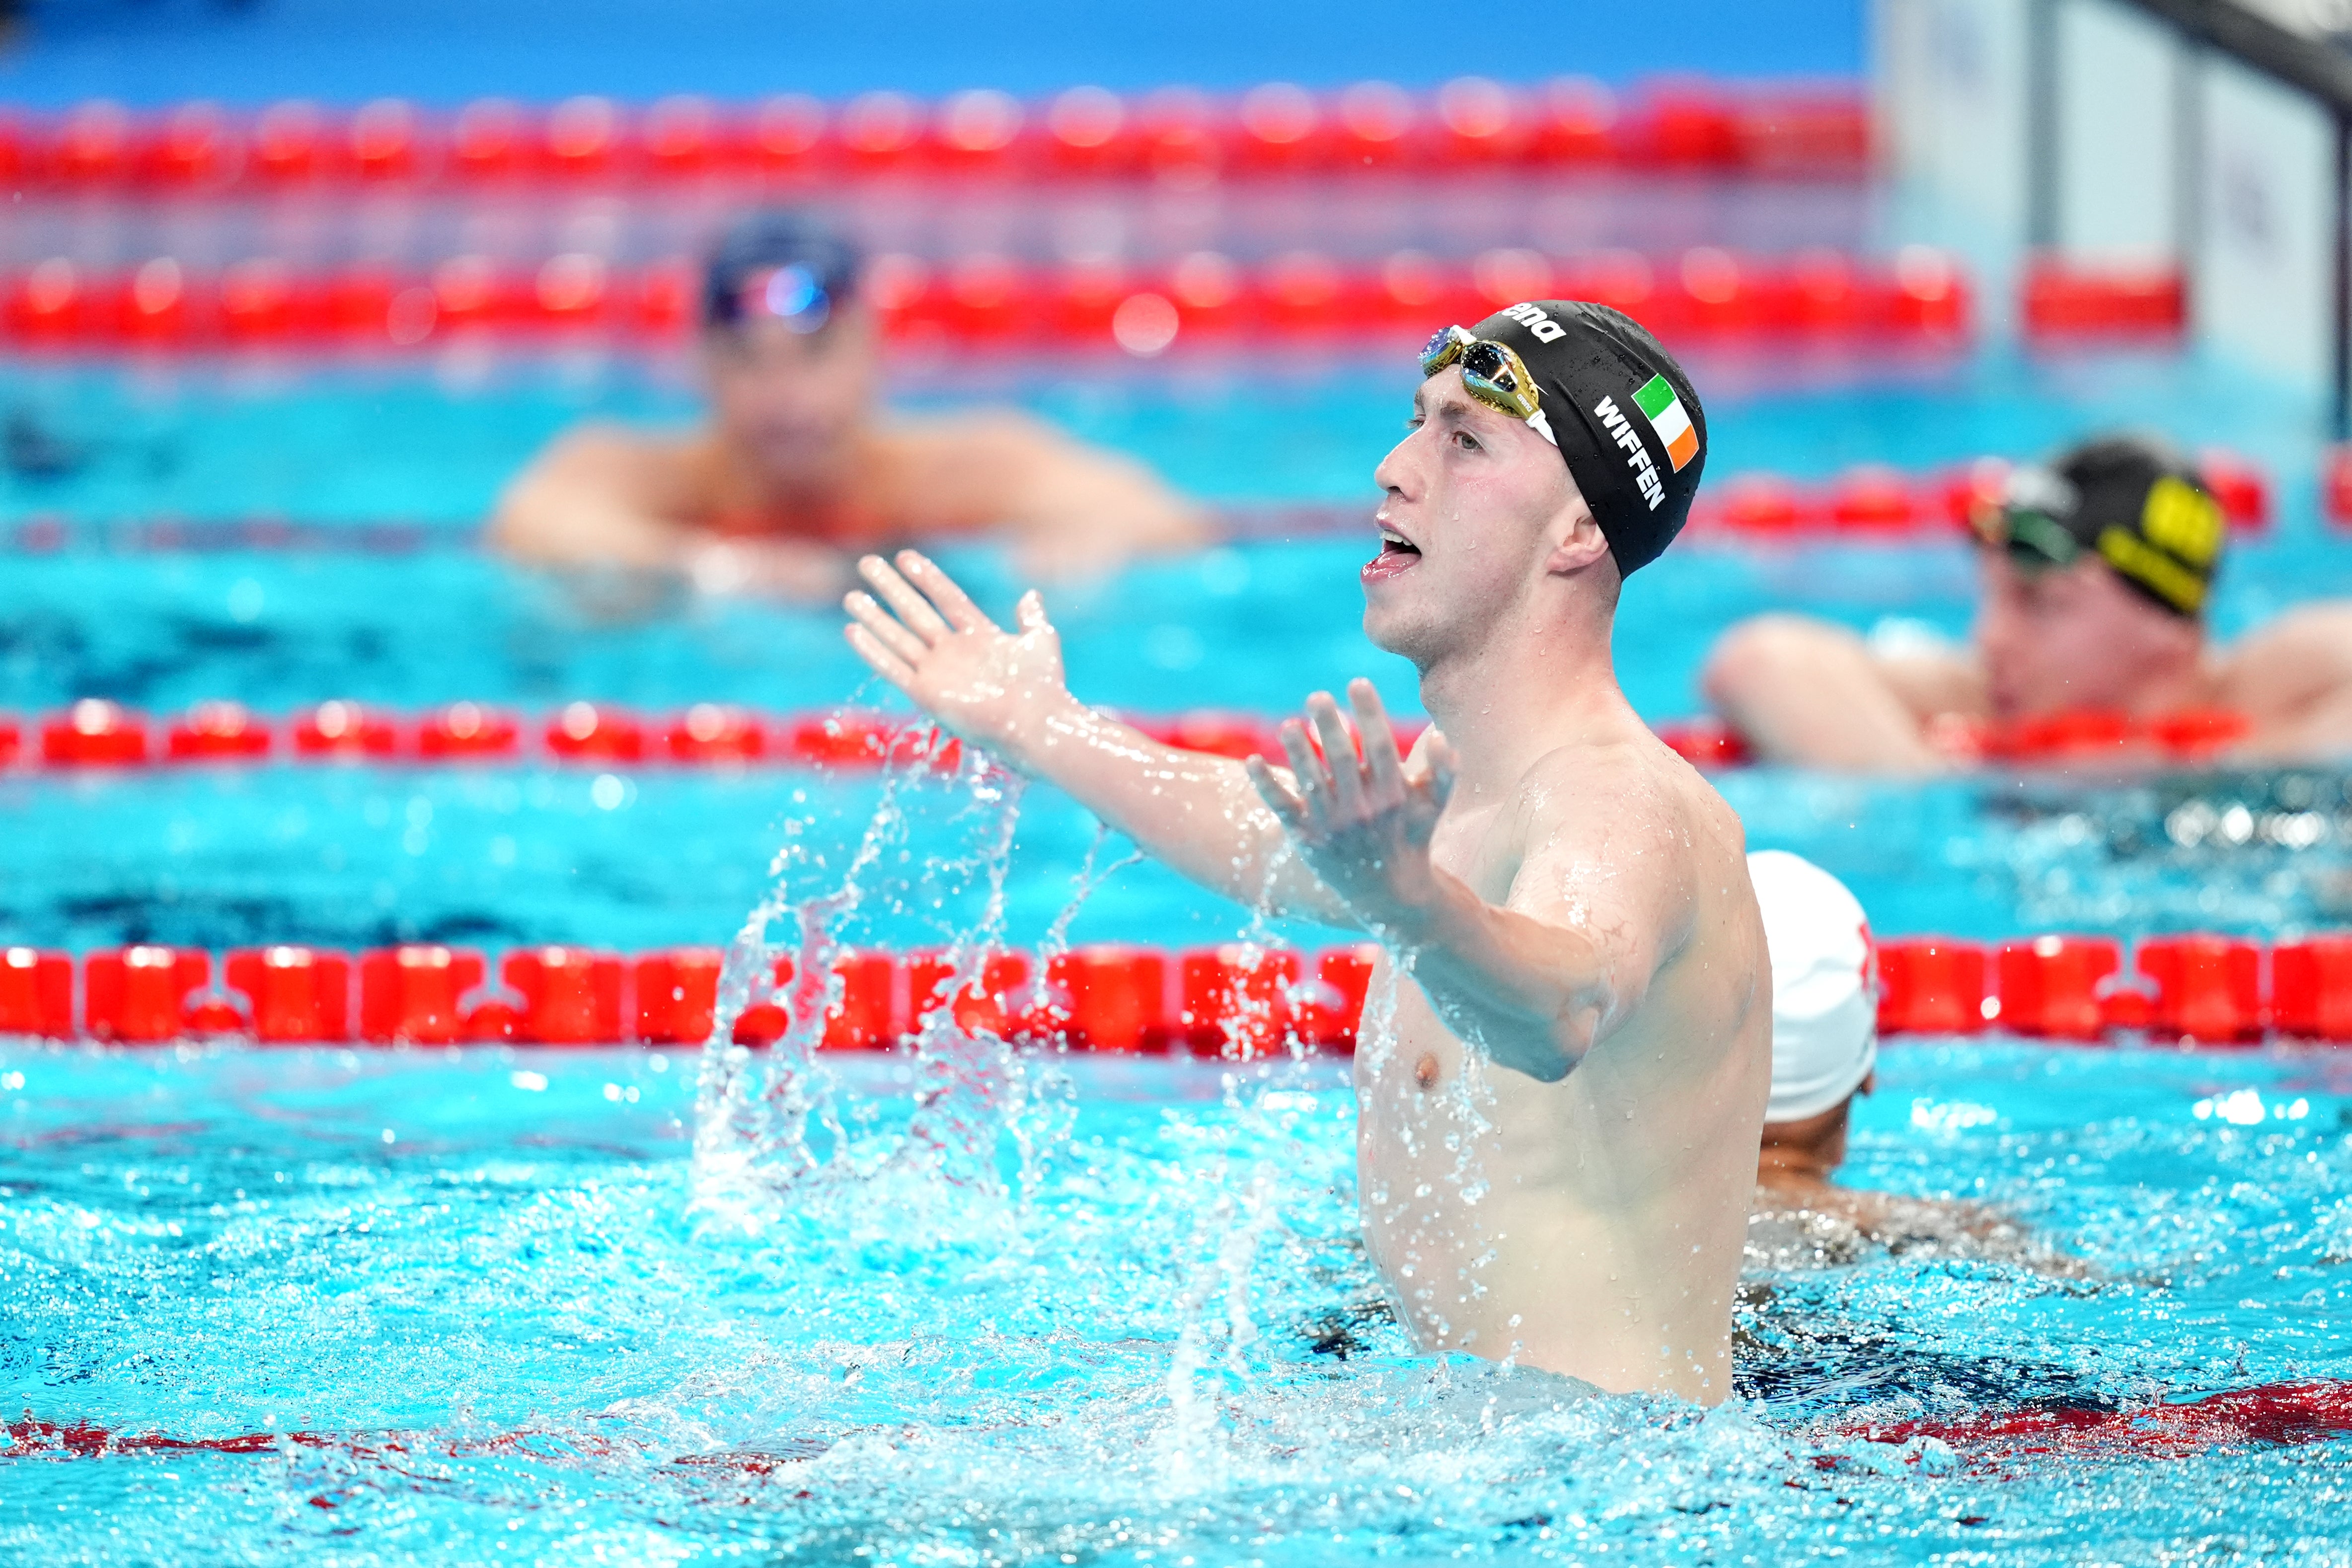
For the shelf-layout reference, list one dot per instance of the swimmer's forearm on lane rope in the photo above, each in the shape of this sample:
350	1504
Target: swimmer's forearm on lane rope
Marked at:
1195	812
1534	996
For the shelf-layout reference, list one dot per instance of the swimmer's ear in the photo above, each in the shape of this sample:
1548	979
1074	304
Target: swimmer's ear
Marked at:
1580	543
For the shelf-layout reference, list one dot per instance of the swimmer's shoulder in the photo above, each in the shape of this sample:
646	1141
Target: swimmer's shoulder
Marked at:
605	443
670	465
979	435
2301	657
958	471
1630	781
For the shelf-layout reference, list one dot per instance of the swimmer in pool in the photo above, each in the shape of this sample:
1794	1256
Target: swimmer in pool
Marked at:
2096	572
795	472
1824	1057
1557	1130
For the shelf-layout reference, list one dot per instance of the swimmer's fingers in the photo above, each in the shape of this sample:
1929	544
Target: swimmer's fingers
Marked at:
885	663
885	628
1437	771
912	608
1381	763
1280	797
953	601
1314	787
1339	756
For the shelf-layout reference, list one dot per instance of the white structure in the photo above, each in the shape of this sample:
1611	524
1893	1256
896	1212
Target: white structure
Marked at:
2208	134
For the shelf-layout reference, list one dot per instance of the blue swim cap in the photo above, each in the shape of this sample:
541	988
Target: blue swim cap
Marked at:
781	263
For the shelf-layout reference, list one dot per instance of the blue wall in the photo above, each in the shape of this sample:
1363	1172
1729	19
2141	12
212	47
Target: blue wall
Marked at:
444	51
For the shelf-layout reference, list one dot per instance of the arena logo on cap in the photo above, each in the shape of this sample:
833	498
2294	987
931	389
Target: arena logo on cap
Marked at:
1542	328
1637	454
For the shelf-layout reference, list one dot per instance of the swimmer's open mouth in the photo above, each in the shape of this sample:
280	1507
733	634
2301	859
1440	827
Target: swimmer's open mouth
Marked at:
1398	554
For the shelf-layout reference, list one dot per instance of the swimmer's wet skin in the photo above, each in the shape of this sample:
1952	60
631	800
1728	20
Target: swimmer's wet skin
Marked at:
1560	1113
796	465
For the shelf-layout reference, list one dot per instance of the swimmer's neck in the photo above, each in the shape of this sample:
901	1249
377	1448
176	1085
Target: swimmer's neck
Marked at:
1521	692
1794	1172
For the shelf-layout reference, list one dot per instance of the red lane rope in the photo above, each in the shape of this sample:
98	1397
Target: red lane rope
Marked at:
1175	136
1231	1000
95	732
2275	1415
1701	296
1865	502
2268	1416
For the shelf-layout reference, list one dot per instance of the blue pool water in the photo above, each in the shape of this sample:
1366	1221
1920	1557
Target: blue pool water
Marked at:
531	1306
479	1302
365	855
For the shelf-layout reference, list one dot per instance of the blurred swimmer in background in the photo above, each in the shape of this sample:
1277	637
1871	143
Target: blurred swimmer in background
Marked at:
796	473
1824	1057
2096	572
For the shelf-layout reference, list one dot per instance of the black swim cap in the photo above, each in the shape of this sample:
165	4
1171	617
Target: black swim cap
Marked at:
783	263
2136	503
1624	416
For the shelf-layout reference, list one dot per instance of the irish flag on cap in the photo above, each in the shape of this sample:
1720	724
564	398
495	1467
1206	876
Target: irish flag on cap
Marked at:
1658	401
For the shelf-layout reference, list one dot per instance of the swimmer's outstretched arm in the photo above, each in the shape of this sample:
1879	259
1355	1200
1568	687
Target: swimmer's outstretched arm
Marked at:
1536	981
1005	691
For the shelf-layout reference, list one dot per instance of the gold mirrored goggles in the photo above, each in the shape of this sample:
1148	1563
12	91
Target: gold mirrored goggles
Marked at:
1492	373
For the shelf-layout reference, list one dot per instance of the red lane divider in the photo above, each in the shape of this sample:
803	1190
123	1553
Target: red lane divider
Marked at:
95	733
1701	296
1175	136
2067	303
1227	1000
1872	499
2209	989
1223	1001
2274	1415
1868	502
2271	1414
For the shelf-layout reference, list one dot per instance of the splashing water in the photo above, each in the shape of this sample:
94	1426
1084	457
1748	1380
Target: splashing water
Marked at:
773	1128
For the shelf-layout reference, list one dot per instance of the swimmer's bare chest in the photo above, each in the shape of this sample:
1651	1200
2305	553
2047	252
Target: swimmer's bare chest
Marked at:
1423	1096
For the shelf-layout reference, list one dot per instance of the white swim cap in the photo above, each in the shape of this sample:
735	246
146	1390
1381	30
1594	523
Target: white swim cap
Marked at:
1824	985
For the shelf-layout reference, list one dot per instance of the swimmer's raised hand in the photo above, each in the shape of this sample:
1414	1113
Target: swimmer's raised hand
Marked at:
923	634
1362	825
